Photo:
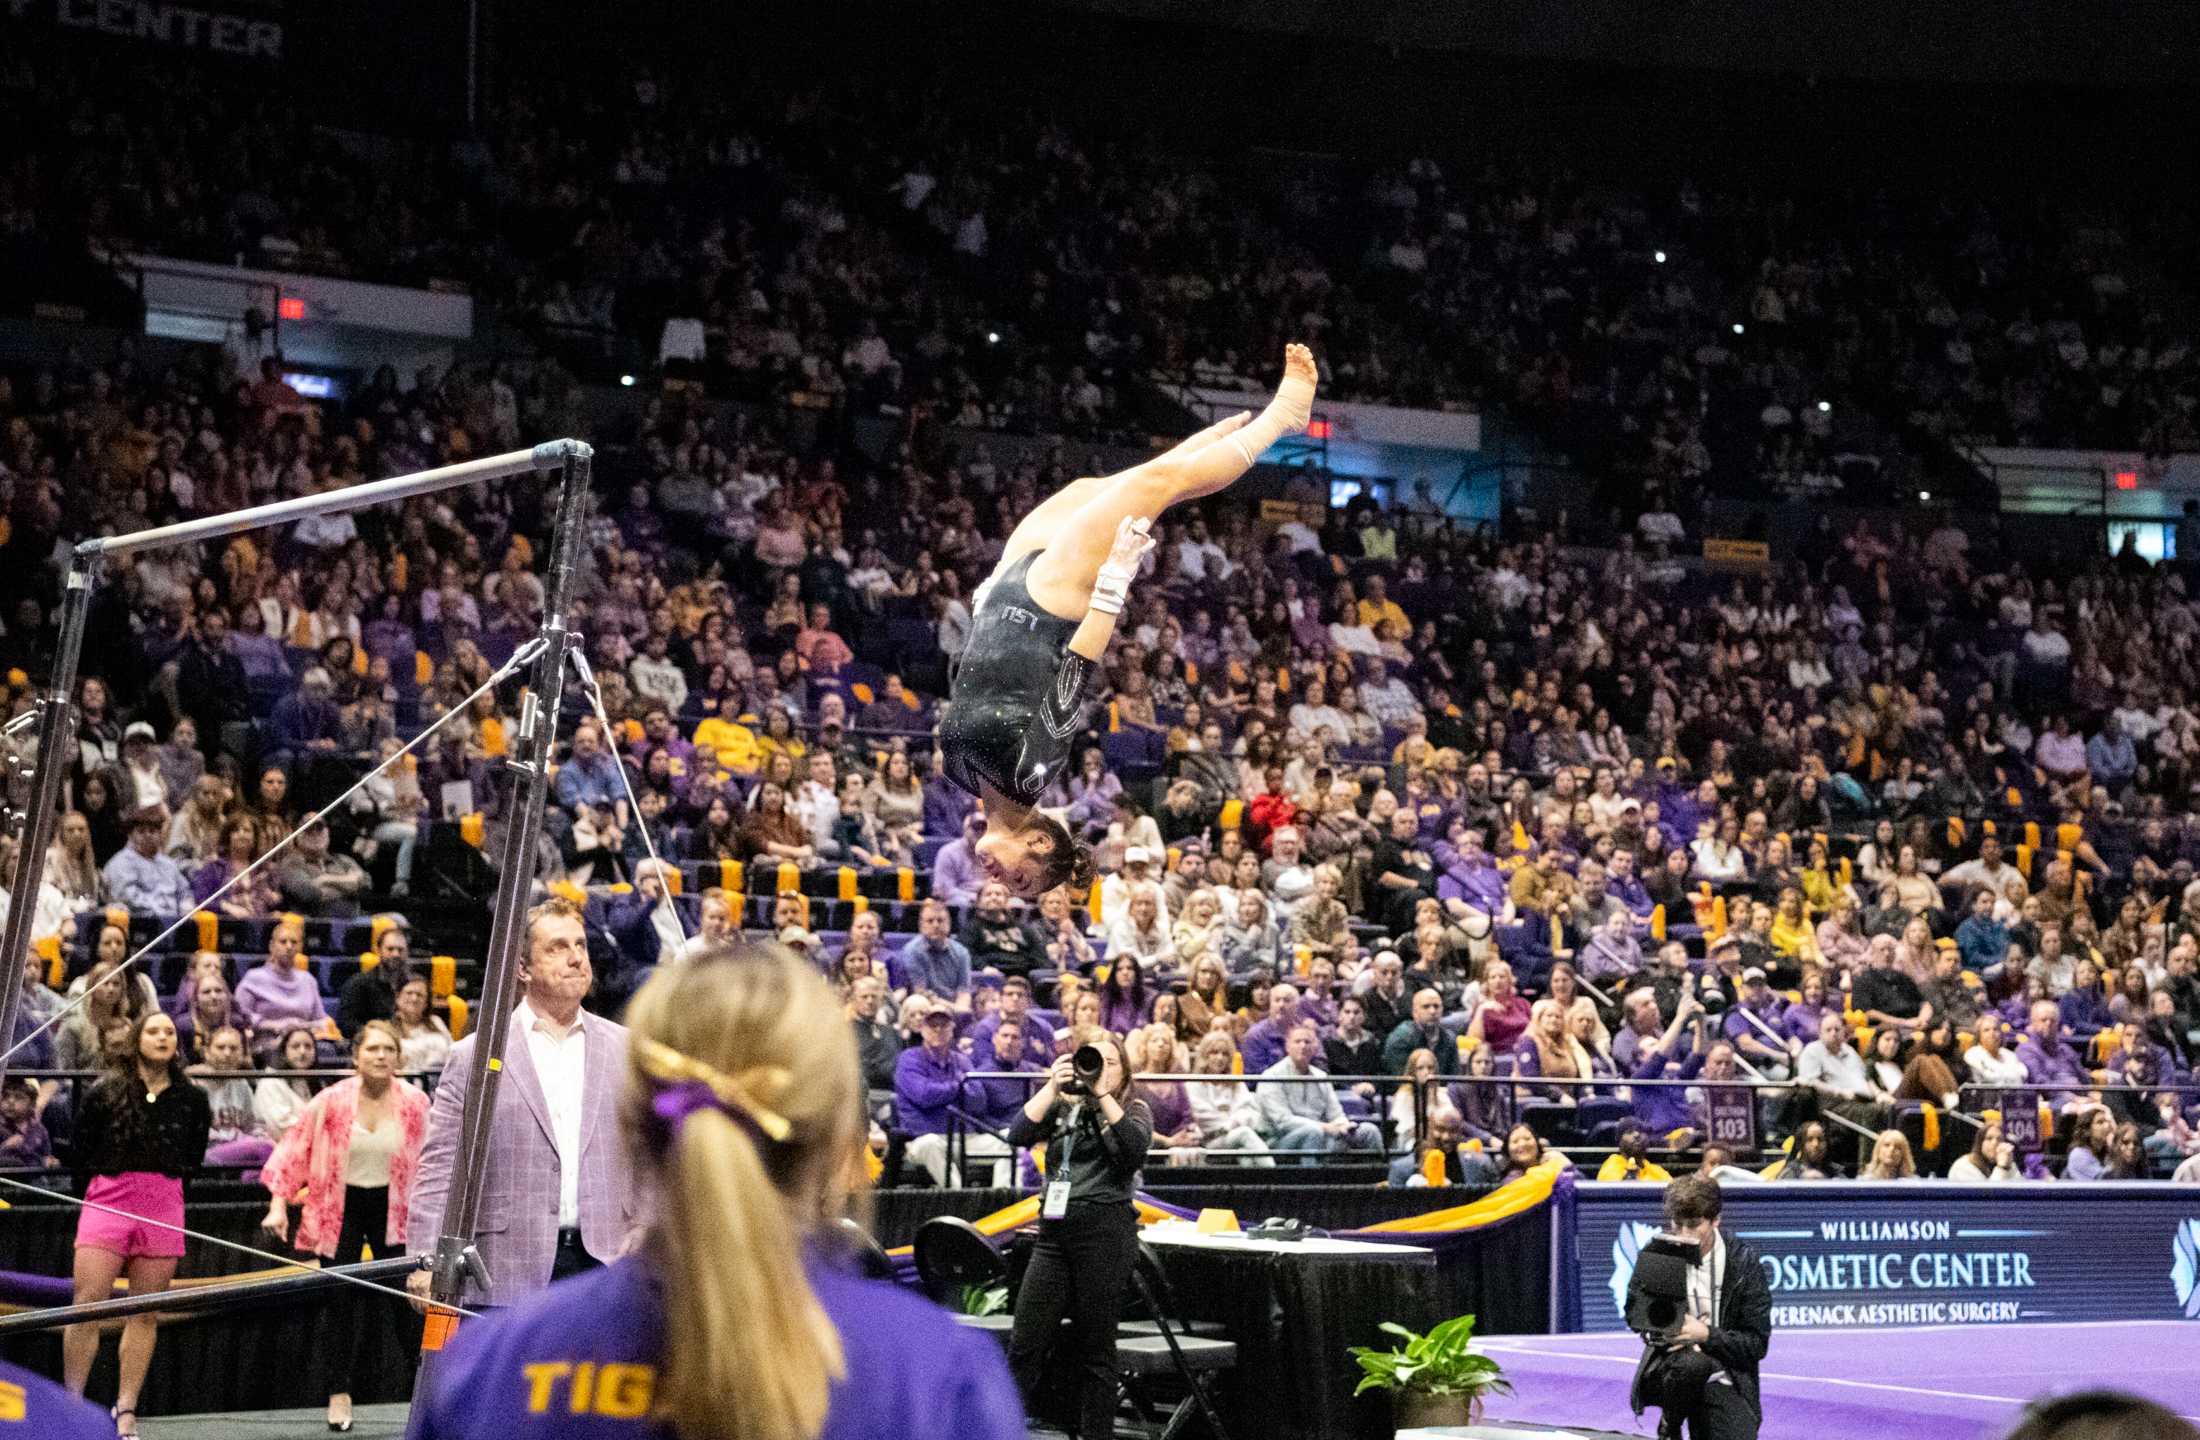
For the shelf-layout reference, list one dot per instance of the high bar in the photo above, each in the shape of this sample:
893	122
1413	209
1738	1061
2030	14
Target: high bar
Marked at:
547	456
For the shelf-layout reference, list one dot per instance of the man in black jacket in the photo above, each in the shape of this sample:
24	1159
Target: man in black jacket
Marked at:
210	681
1706	1374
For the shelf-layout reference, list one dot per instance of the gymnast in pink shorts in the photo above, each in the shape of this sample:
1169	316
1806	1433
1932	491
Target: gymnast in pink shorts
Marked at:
140	1128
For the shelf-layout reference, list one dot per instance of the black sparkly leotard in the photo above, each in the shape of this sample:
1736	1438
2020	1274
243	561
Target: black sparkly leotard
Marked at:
1018	697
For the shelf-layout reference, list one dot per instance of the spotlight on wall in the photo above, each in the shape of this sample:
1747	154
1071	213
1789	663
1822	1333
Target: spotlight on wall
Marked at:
627	381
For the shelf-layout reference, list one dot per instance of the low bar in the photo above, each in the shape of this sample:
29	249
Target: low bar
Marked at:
543	457
305	1280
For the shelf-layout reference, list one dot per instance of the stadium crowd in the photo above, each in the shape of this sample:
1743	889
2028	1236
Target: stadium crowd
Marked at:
1913	778
1373	794
859	239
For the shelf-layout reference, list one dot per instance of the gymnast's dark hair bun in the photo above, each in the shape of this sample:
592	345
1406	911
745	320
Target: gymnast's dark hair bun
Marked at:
1067	861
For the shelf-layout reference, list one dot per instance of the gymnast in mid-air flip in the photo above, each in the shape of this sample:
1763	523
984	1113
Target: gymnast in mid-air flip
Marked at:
1043	619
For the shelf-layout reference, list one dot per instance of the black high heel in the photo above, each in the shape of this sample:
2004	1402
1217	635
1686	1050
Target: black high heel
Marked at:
115	1413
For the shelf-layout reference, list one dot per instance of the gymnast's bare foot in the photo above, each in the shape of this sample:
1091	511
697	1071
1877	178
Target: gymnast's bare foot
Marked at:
1294	402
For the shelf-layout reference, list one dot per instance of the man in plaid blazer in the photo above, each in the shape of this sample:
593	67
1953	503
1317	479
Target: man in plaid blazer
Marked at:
559	1195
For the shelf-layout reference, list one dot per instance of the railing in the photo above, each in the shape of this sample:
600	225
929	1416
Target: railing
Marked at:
1518	1102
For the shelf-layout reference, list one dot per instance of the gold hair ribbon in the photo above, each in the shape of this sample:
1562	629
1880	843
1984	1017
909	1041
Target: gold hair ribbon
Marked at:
686	1084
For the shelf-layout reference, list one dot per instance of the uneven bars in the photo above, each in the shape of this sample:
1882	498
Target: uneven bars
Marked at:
212	1296
547	456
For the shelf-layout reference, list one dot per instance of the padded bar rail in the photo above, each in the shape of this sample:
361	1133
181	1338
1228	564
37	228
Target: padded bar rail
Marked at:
214	1296
547	456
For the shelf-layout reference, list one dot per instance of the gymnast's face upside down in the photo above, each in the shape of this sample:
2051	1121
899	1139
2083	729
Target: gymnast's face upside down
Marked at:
1017	858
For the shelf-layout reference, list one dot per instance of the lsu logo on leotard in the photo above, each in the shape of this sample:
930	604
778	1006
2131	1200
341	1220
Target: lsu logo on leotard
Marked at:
616	1392
15	1402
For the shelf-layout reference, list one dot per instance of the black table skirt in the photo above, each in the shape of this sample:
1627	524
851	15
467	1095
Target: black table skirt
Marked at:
1501	1275
1293	1315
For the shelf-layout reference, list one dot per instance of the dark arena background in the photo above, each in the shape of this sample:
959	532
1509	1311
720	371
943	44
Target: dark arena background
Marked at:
1713	690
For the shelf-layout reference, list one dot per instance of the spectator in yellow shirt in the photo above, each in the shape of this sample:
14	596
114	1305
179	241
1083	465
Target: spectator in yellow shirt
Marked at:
1632	1160
1540	885
1793	936
1380	613
734	745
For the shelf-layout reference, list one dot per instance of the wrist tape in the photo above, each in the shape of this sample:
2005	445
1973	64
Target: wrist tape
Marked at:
1110	590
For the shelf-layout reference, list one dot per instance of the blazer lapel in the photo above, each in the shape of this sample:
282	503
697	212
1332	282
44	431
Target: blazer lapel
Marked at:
519	1073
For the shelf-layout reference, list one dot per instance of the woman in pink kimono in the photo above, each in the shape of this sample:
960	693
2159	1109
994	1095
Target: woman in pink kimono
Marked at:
355	1152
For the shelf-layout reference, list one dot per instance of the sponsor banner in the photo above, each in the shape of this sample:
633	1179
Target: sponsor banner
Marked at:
1737	557
1842	1254
247	29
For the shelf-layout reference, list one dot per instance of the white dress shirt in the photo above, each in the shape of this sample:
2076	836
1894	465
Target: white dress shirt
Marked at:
561	1067
1703	1296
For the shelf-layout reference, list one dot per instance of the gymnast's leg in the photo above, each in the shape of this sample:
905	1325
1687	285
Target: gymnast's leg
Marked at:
1037	530
1061	579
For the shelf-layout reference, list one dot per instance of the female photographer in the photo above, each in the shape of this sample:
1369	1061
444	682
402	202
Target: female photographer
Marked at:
1096	1136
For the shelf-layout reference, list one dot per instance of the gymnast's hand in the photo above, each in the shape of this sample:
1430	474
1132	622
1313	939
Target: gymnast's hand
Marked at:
1132	541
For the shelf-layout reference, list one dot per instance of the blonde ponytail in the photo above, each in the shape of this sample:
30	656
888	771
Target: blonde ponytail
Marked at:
749	1353
747	1173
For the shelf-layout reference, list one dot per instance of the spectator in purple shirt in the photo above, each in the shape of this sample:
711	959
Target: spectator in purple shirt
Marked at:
947	806
1753	1027
2049	1062
1015	1005
308	720
1263	1044
2084	1007
1664	1108
1466	872
955	873
275	997
996	1103
140	876
1625	886
259	653
928	1088
1799	1022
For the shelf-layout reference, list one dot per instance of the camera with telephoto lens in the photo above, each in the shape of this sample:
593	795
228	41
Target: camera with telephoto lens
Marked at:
1086	1065
1657	1293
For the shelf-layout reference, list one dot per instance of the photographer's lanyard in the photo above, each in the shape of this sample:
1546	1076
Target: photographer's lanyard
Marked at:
1056	1204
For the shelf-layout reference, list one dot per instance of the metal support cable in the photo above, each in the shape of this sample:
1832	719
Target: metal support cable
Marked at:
626	783
521	656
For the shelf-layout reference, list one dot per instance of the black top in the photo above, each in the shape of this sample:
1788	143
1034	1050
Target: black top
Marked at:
119	1132
1890	992
1342	1057
1018	696
366	996
1008	944
877	1048
1104	1160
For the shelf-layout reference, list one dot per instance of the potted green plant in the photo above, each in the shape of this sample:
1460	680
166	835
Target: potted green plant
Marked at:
1434	1379
981	1300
